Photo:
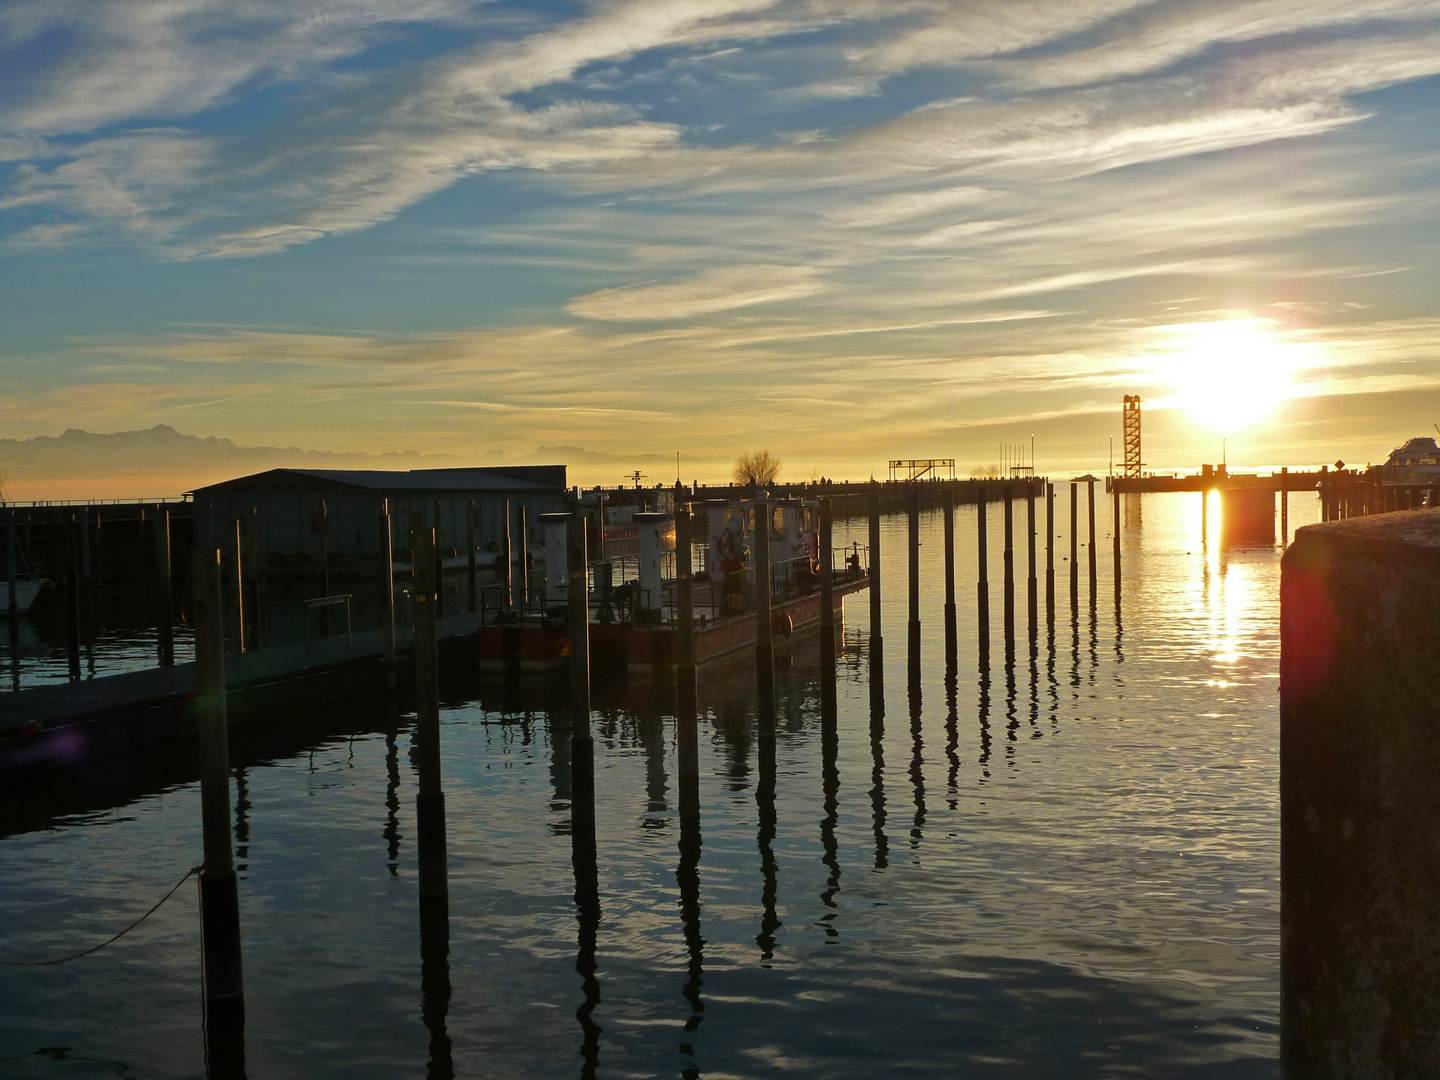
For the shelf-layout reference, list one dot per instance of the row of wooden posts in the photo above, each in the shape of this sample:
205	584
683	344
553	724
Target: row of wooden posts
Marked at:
1348	498
219	907
79	587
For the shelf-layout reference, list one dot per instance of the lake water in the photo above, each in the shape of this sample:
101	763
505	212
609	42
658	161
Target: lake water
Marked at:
123	639
1068	867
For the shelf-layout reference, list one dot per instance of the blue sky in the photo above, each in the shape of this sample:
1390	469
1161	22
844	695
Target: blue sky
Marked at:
847	230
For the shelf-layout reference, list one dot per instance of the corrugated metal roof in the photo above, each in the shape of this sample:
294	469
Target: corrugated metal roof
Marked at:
473	479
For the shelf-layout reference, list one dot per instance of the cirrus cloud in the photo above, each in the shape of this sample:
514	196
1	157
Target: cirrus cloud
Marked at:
721	289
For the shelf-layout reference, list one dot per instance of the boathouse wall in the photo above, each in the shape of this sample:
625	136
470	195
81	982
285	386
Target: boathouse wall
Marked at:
289	508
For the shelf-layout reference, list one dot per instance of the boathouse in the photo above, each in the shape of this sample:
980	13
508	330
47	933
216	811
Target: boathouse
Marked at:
300	518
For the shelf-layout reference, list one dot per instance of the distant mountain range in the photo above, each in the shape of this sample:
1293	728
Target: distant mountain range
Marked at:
162	449
163	460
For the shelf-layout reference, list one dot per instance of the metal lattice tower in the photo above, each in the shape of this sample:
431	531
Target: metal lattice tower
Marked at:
922	469
1133	464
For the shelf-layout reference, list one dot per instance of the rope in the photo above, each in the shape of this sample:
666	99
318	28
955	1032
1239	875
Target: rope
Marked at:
96	948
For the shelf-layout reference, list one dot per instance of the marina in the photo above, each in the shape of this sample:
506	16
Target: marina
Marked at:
926	843
712	628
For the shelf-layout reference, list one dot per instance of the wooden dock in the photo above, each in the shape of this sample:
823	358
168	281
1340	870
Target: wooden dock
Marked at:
1219	480
155	704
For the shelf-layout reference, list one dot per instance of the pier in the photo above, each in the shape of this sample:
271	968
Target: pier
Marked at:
308	588
1218	478
317	578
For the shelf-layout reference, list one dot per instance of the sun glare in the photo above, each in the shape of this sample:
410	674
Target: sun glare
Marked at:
1230	375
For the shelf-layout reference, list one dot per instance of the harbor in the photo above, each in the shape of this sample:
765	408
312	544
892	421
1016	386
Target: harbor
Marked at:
919	838
678	624
300	562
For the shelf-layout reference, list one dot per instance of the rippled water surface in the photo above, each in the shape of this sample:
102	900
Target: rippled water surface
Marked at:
1066	867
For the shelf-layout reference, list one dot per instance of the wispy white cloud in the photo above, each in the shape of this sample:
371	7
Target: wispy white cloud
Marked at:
907	205
168	59
950	33
934	261
391	139
1162	34
721	289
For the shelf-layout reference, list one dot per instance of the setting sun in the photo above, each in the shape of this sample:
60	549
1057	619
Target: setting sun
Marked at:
1229	375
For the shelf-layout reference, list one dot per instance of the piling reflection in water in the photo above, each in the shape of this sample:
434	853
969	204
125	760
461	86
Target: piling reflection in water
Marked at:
765	840
687	878
1012	722
1094	639
733	726
224	1028
830	805
917	755
952	733
1034	694
651	730
435	983
877	779
242	820
14	628
984	717
587	919
1119	631
557	729
391	832
1075	655
1050	677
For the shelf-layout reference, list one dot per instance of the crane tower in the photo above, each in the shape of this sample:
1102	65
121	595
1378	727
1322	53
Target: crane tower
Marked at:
1131	417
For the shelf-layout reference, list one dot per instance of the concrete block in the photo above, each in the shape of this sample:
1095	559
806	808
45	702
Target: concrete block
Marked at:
1360	799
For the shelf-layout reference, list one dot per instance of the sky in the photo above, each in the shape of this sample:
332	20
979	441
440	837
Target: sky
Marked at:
846	231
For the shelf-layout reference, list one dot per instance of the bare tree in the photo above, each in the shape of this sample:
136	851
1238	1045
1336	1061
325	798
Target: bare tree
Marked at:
756	468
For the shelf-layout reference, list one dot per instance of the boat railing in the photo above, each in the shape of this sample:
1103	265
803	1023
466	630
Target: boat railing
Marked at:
323	604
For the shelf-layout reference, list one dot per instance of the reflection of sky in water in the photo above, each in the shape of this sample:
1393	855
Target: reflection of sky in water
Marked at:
1073	872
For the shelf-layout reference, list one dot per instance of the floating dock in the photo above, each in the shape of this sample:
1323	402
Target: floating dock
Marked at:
157	704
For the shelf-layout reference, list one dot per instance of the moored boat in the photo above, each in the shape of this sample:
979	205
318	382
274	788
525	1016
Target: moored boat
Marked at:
26	590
